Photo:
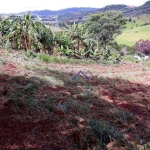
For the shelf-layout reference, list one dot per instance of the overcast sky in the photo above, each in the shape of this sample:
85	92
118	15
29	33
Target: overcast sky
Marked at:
14	6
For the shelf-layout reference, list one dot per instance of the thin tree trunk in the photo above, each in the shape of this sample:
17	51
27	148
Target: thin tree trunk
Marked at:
44	48
26	44
78	44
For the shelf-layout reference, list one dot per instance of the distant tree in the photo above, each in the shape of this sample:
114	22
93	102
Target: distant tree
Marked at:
143	46
130	20
104	27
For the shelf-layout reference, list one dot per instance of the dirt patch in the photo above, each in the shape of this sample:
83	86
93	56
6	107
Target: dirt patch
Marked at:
47	118
19	131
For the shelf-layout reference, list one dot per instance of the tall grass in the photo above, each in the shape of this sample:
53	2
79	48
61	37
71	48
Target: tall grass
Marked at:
58	59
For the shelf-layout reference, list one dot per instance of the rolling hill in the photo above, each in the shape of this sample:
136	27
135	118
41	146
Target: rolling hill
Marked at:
135	30
135	35
125	9
128	10
76	13
119	8
62	11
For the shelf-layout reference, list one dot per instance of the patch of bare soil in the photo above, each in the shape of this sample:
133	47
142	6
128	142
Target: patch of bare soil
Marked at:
56	117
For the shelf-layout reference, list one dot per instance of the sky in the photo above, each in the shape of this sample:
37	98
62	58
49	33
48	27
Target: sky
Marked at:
16	6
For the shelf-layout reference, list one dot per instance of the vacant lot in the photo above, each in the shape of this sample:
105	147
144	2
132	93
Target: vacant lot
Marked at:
41	107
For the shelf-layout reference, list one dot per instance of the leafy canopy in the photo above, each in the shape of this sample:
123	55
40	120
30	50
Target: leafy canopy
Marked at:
104	27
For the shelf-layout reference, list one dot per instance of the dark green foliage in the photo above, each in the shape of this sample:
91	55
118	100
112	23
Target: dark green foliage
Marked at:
25	33
45	37
44	57
130	19
105	26
30	54
145	24
23	91
97	135
89	40
104	133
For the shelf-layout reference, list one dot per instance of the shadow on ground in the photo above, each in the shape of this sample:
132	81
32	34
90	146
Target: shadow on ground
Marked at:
40	112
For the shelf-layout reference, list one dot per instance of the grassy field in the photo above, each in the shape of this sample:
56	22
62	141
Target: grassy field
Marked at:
138	21
131	36
134	31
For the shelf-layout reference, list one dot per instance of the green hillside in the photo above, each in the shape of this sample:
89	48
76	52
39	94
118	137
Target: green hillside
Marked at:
138	21
134	31
129	37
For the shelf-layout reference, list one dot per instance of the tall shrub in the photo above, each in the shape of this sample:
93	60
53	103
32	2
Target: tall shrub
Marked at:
143	46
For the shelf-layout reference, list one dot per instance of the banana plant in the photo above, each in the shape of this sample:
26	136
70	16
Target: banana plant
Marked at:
45	37
81	53
77	35
67	51
16	29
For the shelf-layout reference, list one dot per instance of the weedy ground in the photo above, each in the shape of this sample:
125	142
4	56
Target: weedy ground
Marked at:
41	107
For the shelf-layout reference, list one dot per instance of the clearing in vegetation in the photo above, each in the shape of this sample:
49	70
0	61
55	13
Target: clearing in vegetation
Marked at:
42	108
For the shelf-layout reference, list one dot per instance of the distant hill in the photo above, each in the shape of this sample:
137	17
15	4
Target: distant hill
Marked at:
119	7
144	9
128	10
81	13
63	11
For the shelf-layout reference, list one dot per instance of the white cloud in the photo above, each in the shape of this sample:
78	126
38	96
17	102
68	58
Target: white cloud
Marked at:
8	6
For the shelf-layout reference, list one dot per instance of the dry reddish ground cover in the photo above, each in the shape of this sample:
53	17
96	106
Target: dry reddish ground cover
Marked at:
36	114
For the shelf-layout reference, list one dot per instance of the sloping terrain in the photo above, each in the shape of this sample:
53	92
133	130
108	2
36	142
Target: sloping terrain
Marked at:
119	8
41	107
128	10
62	11
138	28
83	12
131	36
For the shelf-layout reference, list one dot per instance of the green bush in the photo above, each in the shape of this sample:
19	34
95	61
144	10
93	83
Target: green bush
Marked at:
148	63
30	54
104	132
129	58
44	57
